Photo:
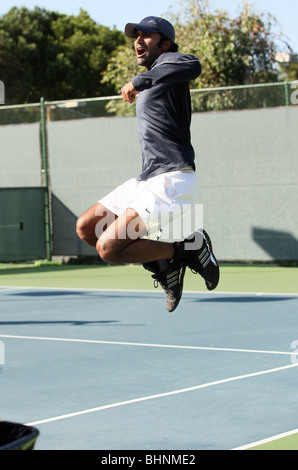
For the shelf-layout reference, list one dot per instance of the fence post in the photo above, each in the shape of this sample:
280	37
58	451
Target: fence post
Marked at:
45	178
287	97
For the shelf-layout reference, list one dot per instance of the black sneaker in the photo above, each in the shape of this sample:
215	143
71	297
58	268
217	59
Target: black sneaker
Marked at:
170	279
201	259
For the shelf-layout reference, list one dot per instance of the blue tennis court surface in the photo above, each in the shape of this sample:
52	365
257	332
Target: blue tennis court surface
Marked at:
100	370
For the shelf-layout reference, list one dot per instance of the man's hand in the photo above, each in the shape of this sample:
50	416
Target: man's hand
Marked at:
129	92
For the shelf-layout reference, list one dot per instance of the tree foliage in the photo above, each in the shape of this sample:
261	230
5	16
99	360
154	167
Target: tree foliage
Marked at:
289	71
233	51
45	53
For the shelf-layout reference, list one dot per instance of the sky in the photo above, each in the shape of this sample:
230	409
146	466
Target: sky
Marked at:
117	13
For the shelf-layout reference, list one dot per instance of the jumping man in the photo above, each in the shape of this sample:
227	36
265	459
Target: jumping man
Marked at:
168	180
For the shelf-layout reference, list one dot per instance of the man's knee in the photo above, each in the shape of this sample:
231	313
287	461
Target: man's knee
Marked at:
85	230
81	227
106	249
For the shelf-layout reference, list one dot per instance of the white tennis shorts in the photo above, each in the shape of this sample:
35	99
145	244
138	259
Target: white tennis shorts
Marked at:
165	203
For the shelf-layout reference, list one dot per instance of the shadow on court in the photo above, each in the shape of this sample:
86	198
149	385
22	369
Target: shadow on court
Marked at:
79	294
61	322
244	299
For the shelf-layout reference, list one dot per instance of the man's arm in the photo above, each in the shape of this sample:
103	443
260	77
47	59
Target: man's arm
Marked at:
173	68
169	68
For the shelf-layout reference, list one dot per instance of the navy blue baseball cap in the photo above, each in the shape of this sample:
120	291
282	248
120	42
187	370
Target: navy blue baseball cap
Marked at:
151	24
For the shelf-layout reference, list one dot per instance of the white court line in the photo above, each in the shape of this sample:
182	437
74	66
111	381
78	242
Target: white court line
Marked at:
269	439
159	395
149	345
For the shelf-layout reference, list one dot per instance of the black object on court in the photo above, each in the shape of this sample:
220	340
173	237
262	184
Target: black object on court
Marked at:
15	436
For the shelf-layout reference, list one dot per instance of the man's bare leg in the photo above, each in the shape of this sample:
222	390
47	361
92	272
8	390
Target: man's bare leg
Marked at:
122	242
117	239
93	222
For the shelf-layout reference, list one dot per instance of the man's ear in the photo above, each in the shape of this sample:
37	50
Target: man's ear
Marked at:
166	44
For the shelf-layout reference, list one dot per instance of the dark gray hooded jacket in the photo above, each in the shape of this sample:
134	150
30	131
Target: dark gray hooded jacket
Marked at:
164	113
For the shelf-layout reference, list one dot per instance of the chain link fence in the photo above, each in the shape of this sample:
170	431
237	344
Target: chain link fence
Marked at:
206	99
242	97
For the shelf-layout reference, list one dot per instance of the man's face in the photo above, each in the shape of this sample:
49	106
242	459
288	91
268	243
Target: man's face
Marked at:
146	46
